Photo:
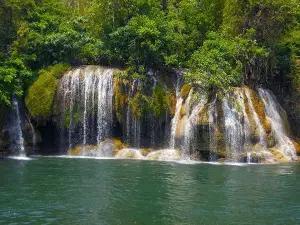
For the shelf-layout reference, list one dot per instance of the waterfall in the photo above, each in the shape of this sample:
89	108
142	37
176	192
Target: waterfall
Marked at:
88	80
15	130
190	136
272	107
33	132
174	122
105	105
132	123
175	119
136	132
213	118
248	157
233	131
86	105
75	82
261	131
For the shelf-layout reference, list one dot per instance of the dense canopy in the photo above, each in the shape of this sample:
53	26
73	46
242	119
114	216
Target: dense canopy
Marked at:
218	43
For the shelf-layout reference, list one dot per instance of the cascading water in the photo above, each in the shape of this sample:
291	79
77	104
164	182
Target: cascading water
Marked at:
261	131
190	137
133	124
272	107
105	106
15	130
231	128
87	105
213	126
174	122
233	131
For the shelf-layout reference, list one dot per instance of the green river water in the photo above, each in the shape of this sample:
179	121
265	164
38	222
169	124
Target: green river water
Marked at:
97	191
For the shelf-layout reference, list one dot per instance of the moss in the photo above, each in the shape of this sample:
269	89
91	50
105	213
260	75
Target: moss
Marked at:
139	105
120	98
121	74
259	107
57	70
296	76
172	103
159	101
39	98
185	90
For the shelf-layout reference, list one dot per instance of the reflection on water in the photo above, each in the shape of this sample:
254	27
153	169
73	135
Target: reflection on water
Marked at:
91	191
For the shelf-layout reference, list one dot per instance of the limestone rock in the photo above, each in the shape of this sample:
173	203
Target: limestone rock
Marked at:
165	155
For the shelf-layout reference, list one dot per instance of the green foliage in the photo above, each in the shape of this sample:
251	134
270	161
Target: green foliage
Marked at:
220	43
139	105
221	62
159	102
39	98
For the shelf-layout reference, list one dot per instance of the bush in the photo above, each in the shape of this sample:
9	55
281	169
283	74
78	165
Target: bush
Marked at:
40	95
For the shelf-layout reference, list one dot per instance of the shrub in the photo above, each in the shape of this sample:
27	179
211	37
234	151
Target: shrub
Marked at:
39	98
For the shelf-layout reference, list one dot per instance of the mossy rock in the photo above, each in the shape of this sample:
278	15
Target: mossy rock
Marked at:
78	150
203	116
159	102
40	95
221	152
146	151
118	145
259	108
167	154
297	147
271	140
278	156
172	103
129	153
120	97
221	160
139	105
185	90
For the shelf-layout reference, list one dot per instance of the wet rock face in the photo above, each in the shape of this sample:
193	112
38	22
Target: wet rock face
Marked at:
4	142
98	112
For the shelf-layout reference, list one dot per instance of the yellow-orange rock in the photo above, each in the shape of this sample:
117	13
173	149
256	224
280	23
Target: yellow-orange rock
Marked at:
297	147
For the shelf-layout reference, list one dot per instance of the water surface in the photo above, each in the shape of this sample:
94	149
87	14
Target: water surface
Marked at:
93	191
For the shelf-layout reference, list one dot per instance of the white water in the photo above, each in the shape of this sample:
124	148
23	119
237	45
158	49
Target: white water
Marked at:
190	128
87	105
233	132
174	122
286	146
246	124
213	118
88	80
16	132
129	153
164	155
248	157
105	104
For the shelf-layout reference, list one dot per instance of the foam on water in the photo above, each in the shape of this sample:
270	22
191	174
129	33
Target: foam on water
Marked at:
20	158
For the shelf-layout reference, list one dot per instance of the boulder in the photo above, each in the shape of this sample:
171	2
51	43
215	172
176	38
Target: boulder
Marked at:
107	148
297	147
129	153
164	155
